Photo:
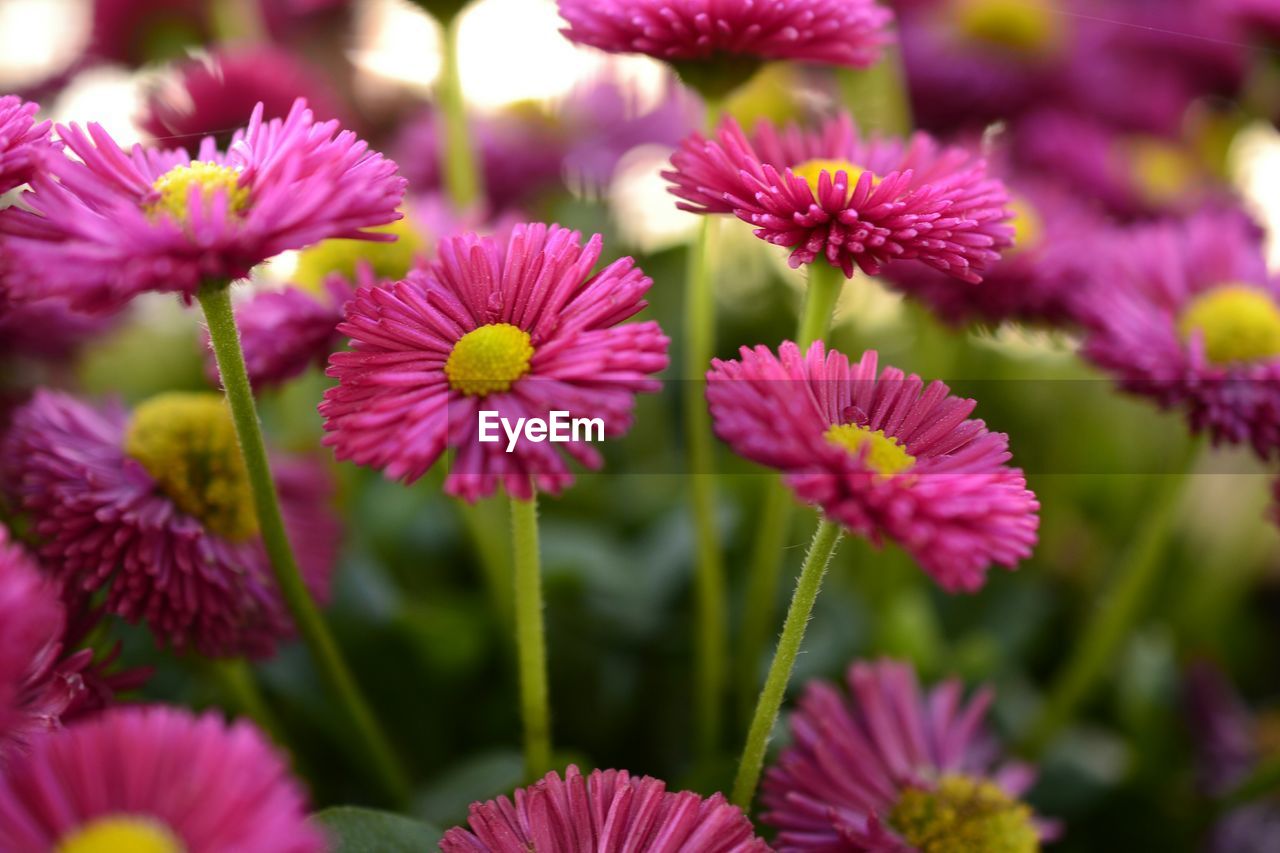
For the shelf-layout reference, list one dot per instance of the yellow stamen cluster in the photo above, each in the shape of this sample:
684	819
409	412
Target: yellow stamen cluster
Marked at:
174	188
1028	227
1163	171
964	815
119	833
1238	323
387	260
489	359
811	170
187	443
883	453
1023	26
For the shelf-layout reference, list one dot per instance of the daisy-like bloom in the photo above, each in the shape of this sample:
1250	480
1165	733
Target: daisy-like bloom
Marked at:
120	223
830	195
155	507
700	36
1037	280
155	780
1232	741
609	811
213	95
522	329
23	141
883	455
46	676
1186	313
887	769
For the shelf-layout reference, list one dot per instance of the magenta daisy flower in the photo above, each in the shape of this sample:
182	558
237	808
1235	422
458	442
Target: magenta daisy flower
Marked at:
694	33
521	329
120	223
1186	313
155	507
155	779
883	455
829	194
213	95
609	811
1037	280
886	769
22	141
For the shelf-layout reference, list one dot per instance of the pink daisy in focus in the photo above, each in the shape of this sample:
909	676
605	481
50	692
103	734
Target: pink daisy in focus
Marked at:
213	95
155	506
695	35
1037	280
22	141
522	329
609	811
1190	316
47	676
155	779
109	225
886	769
883	455
828	194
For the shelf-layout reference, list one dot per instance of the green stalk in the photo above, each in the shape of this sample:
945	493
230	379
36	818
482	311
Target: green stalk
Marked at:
531	638
1114	615
461	178
825	539
820	296
237	681
215	299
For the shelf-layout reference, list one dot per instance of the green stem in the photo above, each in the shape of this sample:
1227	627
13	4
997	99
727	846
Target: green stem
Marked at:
877	96
1114	614
461	177
215	299
531	638
825	283
483	524
711	641
240	687
825	539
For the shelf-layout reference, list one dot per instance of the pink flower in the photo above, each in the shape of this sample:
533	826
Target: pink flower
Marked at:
829	194
884	456
154	507
22	141
120	223
885	768
609	811
522	330
835	32
1187	314
155	778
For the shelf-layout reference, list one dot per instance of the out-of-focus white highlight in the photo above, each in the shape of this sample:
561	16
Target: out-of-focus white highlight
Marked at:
645	212
38	38
109	96
1255	167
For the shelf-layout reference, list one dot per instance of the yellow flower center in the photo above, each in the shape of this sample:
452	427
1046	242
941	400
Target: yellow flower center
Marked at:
488	359
1024	26
187	443
884	454
174	188
811	170
119	833
1162	171
387	260
963	815
1238	323
1028	227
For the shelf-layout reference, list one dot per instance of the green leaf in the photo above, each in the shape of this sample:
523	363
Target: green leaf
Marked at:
356	830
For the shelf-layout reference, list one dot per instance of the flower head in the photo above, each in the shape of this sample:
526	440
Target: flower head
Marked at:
22	141
154	506
885	456
159	780
694	33
1187	314
609	811
831	195
888	769
522	329
113	224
